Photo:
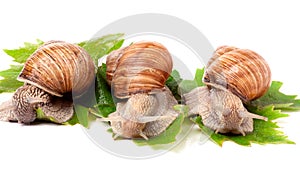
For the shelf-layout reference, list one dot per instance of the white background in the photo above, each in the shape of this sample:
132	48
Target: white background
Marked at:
270	28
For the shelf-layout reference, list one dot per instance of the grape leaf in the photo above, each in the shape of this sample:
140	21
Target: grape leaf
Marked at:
173	83
105	102
20	55
9	82
41	116
101	46
166	137
199	76
270	106
265	132
187	85
278	99
82	114
74	120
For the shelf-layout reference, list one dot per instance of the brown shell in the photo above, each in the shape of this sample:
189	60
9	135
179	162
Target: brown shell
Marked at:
242	71
140	67
58	68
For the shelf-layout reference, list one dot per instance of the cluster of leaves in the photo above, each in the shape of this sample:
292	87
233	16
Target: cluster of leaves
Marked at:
9	82
270	105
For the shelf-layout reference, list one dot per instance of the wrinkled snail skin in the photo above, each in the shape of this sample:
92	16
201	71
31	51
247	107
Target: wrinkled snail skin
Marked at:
59	108
7	111
233	76
26	100
144	115
221	110
137	75
53	73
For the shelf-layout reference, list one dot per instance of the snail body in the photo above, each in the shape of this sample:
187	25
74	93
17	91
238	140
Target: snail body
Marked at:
221	110
144	115
53	73
233	76
137	75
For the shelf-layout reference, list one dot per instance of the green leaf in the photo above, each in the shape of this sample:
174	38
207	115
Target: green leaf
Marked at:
101	46
9	82
116	46
82	114
199	76
268	111
105	102
278	99
20	55
73	121
265	132
173	84
168	136
188	85
41	116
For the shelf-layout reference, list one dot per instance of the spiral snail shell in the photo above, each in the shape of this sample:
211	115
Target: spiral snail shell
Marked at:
140	67
242	71
53	73
58	68
137	75
233	76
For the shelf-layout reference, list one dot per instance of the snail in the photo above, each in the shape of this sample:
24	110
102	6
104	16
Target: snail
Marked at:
233	77
137	75
56	71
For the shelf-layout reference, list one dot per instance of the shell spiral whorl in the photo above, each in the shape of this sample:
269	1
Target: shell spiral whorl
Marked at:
139	68
242	71
58	68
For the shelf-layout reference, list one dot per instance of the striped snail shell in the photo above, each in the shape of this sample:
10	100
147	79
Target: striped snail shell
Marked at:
140	67
137	75
242	71
58	68
53	72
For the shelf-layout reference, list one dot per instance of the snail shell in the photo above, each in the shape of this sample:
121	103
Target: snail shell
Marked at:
58	68
242	71
138	73
139	68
